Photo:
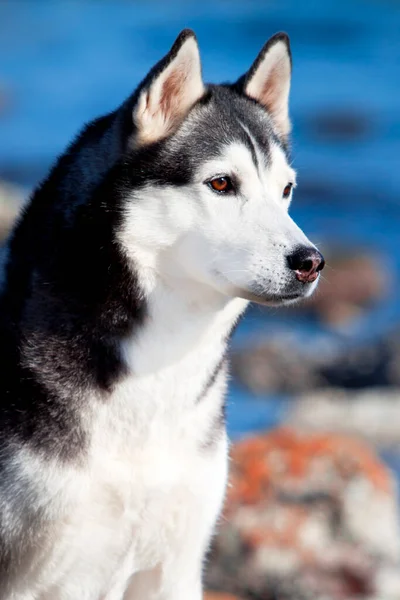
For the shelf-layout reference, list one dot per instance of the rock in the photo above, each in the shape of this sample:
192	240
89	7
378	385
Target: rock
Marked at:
350	284
219	596
373	414
282	367
308	517
11	201
273	368
370	365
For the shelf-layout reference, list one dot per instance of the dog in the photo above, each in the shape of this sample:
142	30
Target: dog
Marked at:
126	274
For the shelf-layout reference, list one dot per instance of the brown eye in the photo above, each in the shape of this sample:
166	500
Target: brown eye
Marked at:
221	184
287	190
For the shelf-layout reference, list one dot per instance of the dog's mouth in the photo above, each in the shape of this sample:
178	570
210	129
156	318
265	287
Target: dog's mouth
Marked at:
293	294
294	291
268	299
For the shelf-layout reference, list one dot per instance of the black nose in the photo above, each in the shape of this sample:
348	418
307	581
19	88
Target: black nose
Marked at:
307	263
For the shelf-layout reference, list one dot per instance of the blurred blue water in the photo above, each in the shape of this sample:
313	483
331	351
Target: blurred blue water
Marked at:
63	63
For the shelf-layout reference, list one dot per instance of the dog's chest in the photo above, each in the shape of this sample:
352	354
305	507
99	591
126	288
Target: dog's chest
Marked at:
151	453
157	462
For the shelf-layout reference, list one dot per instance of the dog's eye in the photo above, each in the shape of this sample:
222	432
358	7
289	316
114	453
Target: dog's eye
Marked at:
222	185
287	190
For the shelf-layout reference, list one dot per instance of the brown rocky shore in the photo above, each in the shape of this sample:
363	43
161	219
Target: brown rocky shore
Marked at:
307	516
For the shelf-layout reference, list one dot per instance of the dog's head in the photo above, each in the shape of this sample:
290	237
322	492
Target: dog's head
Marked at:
211	180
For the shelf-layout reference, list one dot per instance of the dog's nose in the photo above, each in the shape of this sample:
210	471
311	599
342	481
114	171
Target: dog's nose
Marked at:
306	263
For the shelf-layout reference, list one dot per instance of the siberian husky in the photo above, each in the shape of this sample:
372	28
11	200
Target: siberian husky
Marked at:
126	273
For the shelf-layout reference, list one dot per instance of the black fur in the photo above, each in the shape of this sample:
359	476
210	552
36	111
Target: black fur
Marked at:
212	378
218	422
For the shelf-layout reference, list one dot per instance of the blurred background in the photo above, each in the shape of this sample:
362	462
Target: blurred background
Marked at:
314	402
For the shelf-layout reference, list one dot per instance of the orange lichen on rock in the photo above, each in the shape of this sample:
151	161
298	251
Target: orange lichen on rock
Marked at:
308	515
290	459
219	596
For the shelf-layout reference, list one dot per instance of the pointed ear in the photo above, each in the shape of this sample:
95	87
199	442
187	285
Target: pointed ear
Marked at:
169	91
268	81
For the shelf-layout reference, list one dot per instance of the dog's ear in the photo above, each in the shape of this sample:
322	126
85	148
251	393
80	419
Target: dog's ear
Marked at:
169	91
268	81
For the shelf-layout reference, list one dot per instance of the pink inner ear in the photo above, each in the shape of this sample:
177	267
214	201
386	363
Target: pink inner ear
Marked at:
271	90
170	92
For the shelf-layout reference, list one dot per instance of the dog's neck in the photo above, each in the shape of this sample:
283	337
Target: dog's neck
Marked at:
180	316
